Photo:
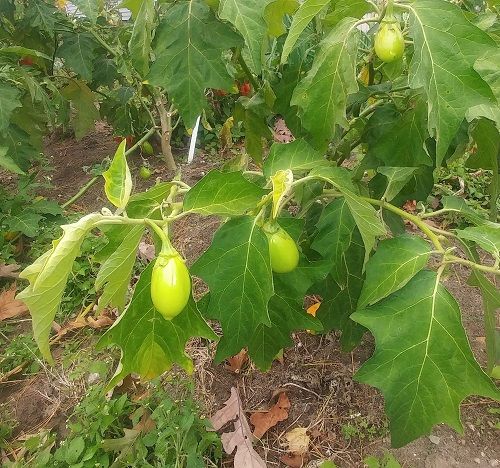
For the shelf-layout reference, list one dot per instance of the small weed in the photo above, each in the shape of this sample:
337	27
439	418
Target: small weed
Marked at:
19	349
362	428
153	432
387	461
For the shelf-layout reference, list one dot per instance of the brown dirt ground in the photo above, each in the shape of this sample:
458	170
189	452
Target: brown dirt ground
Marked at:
317	376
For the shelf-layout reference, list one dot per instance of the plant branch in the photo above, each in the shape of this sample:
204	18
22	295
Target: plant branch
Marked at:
414	219
476	266
247	71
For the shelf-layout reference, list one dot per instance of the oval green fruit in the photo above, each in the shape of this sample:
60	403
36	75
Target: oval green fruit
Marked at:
283	251
144	173
147	148
170	285
389	41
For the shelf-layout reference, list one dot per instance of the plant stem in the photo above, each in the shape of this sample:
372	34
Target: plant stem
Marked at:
96	178
494	189
248	73
166	130
476	266
414	219
166	245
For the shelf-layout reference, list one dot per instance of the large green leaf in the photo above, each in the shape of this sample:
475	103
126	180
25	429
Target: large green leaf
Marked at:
397	178
297	156
321	96
150	344
286	311
224	194
189	43
367	219
344	8
440	30
118	181
248	18
140	41
90	8
486	236
487	140
458	205
83	102
304	15
423	363
237	269
48	276
398	139
25	222
9	100
274	12
20	149
41	14
8	163
114	274
338	240
395	262
78	52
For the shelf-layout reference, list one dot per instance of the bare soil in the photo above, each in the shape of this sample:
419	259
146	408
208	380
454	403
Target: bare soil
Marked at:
345	419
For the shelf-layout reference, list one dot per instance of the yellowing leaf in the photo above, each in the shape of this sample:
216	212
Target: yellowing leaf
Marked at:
118	181
282	182
298	441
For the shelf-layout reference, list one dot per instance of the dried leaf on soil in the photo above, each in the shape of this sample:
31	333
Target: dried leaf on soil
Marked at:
235	363
312	309
298	440
9	271
294	461
9	306
146	251
241	438
264	421
102	321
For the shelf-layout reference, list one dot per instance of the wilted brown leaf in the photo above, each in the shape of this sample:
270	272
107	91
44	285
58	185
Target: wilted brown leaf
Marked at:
146	251
241	438
294	461
9	306
9	271
102	321
264	421
235	363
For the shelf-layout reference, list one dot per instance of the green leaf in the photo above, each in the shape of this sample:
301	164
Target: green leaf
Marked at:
282	183
118	181
398	139
9	100
338	240
224	194
395	262
184	48
114	275
346	8
45	207
78	52
274	12
487	140
42	15
367	219
20	149
83	102
451	86
459	206
48	276
150	344
486	236
8	163
397	178
145	204
247	18
90	8
286	311
297	156
23	52
132	5
25	222
237	269
339	177
423	363
304	15
139	45
321	96
491	304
